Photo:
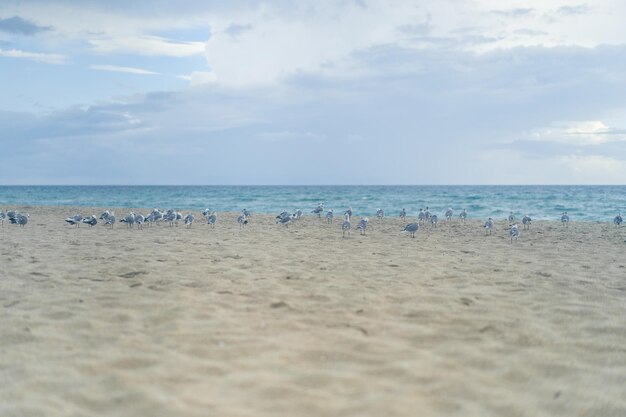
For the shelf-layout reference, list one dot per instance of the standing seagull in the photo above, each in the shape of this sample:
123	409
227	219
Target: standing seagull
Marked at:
170	217
285	220
411	228
421	216
91	220
348	212
514	232
20	219
346	226
488	226
380	213
140	220
362	226
618	219
403	214
526	220
318	210
463	215
246	212
565	219
449	214
511	218
329	216
242	220
189	219
434	220
75	220
212	219
129	220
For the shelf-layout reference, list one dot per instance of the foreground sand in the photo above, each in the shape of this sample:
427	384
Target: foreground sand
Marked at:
270	321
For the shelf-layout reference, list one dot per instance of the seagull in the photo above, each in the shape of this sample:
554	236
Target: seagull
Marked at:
189	219
362	225
207	212
348	212
105	214
284	220
109	219
179	216
346	226
565	219
154	216
434	220
411	228
212	219
170	217
140	220
242	220
403	214
75	220
20	219
488	225
297	214
248	213
421	216
329	216
129	220
511	218
449	214
526	221
514	232
617	220
91	220
463	215
318	210
11	214
283	215
427	214
380	213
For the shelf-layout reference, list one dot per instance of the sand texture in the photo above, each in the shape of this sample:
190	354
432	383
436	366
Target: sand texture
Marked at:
274	321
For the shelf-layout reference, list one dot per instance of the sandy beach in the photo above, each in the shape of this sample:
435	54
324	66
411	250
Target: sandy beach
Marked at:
274	321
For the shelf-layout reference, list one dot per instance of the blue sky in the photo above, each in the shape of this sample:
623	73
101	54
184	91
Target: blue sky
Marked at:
313	92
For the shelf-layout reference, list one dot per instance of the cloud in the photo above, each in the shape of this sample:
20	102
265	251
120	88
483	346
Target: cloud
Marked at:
199	77
580	9
56	59
514	13
582	133
127	70
235	29
20	26
146	45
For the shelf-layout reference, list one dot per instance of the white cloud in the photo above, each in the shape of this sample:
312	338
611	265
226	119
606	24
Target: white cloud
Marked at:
146	45
56	59
127	70
199	77
592	132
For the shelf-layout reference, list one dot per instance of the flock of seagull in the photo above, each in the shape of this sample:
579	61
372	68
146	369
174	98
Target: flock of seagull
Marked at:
173	217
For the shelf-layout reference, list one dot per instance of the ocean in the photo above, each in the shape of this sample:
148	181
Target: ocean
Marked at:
583	203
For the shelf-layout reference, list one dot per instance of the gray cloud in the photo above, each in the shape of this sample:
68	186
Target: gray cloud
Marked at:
20	26
574	10
518	12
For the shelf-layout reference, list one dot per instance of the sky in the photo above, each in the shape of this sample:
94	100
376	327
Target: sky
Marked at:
312	92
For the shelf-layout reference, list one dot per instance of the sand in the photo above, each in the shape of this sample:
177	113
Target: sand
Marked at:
274	321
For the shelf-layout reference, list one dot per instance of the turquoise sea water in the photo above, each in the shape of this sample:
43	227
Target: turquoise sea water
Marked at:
588	203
